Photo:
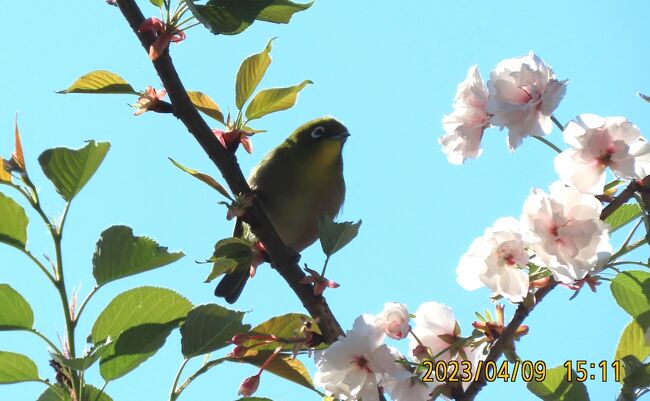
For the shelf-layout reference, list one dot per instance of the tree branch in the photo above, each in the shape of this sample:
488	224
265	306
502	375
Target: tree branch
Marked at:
284	260
504	339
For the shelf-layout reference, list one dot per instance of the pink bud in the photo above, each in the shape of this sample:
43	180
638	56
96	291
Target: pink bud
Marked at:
239	351
239	339
249	386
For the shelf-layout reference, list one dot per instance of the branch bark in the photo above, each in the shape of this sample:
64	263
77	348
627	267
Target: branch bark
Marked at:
283	259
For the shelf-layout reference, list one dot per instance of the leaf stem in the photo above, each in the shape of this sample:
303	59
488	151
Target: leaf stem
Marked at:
83	305
198	373
548	143
557	123
44	338
173	394
39	264
327	259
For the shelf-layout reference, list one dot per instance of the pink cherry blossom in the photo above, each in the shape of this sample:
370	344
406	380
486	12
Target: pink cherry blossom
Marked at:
164	35
433	320
597	143
523	94
149	100
497	260
320	282
394	320
465	125
354	366
565	231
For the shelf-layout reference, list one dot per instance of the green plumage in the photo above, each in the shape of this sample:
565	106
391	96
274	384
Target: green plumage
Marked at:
297	182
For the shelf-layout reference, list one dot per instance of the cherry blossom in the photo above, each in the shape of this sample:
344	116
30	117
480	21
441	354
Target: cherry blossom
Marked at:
497	260
523	92
394	320
354	366
597	143
565	231
164	35
465	125
433	320
149	100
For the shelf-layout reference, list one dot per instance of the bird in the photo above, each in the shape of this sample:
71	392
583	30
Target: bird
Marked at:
295	183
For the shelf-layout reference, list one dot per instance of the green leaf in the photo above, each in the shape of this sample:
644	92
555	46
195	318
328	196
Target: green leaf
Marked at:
13	224
210	327
632	342
282	365
206	105
285	326
205	178
157	3
83	363
230	254
334	236
623	215
15	312
120	254
133	347
250	74
631	289
17	368
272	100
556	387
139	306
70	169
58	393
100	81
230	17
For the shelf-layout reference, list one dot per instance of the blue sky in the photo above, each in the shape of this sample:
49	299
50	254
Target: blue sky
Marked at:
388	71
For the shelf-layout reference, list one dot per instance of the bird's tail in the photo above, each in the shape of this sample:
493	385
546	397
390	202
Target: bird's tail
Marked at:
232	284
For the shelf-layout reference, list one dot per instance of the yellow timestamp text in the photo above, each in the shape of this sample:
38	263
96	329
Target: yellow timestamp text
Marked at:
527	371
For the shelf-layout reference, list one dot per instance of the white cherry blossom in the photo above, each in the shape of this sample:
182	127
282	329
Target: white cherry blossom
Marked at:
465	125
354	366
497	260
565	231
597	143
394	320
523	93
432	320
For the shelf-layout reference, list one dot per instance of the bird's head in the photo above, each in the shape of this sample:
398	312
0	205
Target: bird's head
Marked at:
321	132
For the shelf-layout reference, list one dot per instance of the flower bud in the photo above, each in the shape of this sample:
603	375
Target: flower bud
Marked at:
239	351
249	386
394	320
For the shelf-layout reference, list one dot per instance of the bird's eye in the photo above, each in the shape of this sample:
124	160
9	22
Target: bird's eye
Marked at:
317	132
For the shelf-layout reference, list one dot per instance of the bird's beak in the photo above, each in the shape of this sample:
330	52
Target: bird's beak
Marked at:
342	136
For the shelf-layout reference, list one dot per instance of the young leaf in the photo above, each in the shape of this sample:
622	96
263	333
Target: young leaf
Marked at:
58	393
556	387
282	365
17	368
83	363
230	17
133	347
15	312
285	326
632	342
272	100
229	254
120	254
70	169
334	236
623	215
205	178
206	105
250	74
209	327
157	3
13	224
630	290
139	306
101	81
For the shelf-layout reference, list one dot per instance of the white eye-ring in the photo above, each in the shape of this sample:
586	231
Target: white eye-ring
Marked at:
318	132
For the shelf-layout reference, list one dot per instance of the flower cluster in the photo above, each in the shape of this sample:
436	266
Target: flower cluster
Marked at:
521	95
359	365
560	231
